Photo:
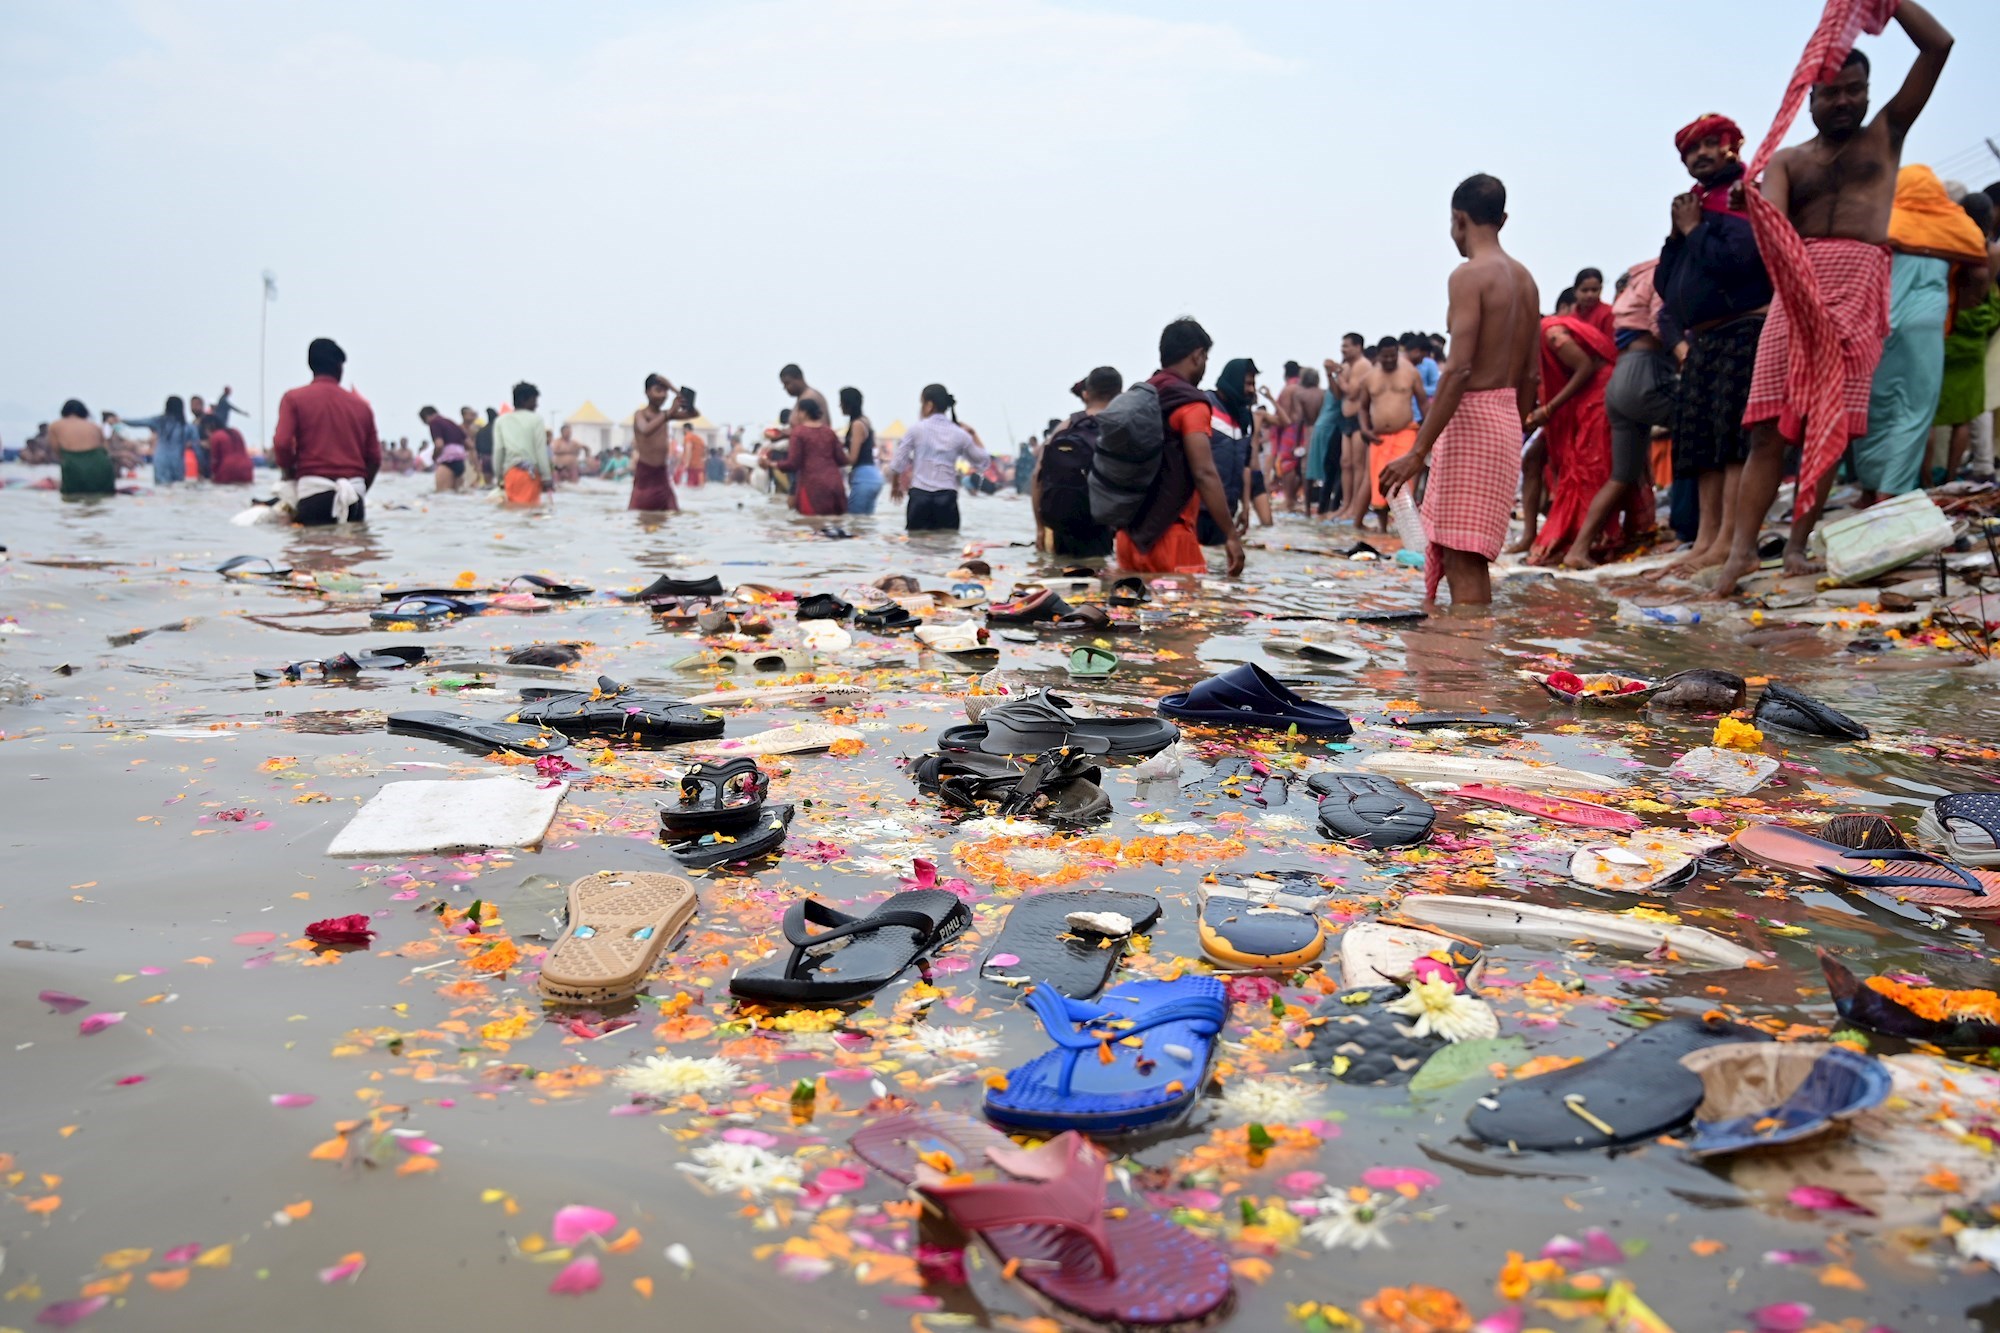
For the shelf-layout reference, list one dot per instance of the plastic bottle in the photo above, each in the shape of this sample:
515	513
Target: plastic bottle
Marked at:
1677	613
1409	523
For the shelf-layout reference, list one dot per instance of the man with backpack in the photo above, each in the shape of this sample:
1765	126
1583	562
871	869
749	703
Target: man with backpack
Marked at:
1060	489
1153	470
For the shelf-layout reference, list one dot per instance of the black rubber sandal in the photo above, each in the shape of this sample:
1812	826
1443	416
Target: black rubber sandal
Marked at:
855	956
1637	1090
1037	943
666	586
612	710
1370	809
473	734
718	847
717	796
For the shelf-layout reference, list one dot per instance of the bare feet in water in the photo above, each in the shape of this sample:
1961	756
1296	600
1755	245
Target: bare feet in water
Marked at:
1692	561
1798	562
1527	541
1733	571
1578	559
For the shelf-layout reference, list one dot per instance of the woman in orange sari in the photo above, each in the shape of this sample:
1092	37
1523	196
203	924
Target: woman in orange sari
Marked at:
1577	358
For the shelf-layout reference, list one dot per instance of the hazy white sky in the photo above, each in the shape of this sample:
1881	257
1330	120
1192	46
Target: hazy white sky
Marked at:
995	195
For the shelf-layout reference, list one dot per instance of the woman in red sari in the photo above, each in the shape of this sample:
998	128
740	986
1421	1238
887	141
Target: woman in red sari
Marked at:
1576	368
817	456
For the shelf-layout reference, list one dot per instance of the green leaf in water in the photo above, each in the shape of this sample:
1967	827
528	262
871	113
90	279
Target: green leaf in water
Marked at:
1455	1064
1260	1138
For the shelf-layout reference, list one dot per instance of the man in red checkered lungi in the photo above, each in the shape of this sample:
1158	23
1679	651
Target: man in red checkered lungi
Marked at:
1486	390
1822	225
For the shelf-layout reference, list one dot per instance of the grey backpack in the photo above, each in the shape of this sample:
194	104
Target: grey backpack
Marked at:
1127	462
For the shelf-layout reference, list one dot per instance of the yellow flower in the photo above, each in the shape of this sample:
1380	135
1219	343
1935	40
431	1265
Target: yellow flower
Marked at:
1731	734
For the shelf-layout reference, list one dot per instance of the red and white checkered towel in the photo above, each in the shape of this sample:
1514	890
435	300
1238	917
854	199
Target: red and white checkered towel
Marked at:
1816	371
1475	474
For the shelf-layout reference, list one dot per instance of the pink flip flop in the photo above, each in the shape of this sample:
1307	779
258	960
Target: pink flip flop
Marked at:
1043	1212
1912	876
1559	809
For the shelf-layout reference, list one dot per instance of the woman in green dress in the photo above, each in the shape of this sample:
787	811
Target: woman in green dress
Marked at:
86	464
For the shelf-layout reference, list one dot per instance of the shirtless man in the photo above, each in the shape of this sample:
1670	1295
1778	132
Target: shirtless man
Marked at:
1347	378
1837	189
1295	425
794	381
1392	396
1487	390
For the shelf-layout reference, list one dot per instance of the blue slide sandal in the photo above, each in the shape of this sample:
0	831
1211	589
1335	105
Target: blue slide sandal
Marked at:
1159	1035
1249	696
424	610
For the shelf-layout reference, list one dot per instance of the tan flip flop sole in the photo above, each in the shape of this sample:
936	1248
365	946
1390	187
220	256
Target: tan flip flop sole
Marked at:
619	921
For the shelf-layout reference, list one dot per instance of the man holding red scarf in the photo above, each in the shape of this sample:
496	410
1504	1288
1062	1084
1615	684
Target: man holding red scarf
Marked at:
1822	224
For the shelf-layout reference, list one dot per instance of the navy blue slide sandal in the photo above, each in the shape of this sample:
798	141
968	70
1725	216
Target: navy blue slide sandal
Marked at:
1249	696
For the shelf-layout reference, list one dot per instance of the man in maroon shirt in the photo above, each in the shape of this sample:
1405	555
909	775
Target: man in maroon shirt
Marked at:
326	443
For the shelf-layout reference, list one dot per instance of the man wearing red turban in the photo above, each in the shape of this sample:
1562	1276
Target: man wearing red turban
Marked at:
1713	287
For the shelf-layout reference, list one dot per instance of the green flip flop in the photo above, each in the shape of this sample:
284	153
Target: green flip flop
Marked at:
1087	661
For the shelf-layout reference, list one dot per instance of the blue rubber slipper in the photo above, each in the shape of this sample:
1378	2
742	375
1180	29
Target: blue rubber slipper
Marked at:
1249	696
425	610
1159	1036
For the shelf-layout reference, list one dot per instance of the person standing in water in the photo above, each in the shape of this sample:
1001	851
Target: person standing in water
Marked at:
447	448
864	481
816	458
79	447
325	445
1836	192
653	448
521	450
1486	390
173	436
926	463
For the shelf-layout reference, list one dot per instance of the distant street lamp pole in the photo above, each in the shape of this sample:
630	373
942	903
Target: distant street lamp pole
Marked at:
263	322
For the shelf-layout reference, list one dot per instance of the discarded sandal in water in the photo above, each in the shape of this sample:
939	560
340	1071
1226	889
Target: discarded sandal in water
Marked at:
764	836
1247	928
1788	709
722	796
1060	939
1043	722
1763	1094
1058	787
1637	1090
1370	809
1248	696
667	586
1044	1216
1159	1035
854	956
1966	825
470	733
619	921
1912	876
613	710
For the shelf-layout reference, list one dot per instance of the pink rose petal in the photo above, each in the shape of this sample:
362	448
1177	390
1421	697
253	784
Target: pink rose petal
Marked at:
96	1023
62	1001
292	1100
576	1221
1820	1199
579	1276
180	1254
1004	960
1302	1182
1395	1177
255	937
345	1271
64	1313
752	1136
840	1180
131	1080
1783	1317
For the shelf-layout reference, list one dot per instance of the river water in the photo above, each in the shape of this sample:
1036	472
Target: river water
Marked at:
166	822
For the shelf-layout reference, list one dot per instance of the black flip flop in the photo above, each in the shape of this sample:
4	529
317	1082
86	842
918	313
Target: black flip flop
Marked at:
1366	1044
473	734
612	710
1371	809
854	956
1467	720
1788	709
824	606
717	796
1037	936
392	658
666	586
1637	1090
548	587
1042	722
886	619
1030	610
718	847
1128	592
239	567
425	610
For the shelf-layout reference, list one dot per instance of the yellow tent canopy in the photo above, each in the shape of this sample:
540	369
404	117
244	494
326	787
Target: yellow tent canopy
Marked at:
587	415
896	431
